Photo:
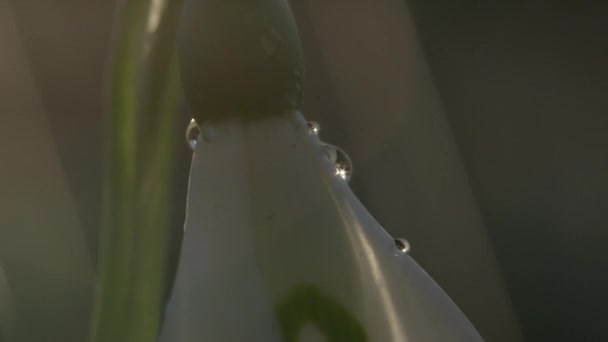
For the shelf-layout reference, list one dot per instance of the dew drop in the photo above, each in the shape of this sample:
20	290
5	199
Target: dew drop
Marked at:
402	245
344	166
192	133
313	127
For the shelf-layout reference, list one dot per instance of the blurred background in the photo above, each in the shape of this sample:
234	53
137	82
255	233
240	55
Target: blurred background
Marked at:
478	131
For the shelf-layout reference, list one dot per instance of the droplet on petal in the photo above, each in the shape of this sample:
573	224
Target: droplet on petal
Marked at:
192	133
344	166
314	127
402	245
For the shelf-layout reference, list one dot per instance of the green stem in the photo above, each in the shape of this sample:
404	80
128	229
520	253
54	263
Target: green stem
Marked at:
143	96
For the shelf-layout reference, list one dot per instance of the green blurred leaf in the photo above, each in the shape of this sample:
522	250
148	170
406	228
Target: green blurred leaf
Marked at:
143	95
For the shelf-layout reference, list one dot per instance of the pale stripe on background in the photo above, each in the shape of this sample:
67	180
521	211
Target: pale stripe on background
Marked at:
42	248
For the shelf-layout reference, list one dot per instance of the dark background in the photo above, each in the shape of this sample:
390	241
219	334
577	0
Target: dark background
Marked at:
525	86
478	131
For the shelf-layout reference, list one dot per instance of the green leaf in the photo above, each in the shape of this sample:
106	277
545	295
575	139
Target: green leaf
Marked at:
142	114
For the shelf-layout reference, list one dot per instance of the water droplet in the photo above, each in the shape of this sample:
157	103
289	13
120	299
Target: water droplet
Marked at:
271	42
313	127
402	245
192	133
344	166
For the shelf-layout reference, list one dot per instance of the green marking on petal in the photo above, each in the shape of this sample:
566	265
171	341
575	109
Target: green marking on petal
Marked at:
308	305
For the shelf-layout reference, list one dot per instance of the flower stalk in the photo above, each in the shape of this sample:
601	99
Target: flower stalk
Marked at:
143	93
